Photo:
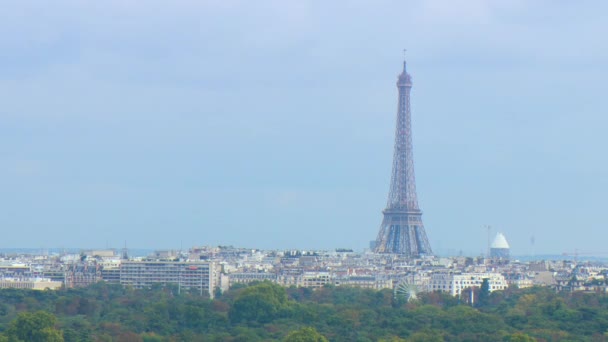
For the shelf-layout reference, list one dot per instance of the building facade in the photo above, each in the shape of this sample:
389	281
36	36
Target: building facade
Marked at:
32	284
454	283
194	276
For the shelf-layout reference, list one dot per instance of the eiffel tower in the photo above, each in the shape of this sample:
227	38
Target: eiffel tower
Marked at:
402	231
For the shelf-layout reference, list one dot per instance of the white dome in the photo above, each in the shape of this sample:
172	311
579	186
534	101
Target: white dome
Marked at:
500	241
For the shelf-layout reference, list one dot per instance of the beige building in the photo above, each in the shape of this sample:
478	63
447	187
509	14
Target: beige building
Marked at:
366	282
248	277
34	284
314	279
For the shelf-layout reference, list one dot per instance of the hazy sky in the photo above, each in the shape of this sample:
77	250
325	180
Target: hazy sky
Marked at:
270	123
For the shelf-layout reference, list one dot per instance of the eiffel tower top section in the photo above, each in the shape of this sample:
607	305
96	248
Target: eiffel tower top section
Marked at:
404	80
402	195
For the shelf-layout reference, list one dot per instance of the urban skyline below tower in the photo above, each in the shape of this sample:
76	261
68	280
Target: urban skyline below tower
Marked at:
402	230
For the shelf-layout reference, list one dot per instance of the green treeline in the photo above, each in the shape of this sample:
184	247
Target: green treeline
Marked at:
265	311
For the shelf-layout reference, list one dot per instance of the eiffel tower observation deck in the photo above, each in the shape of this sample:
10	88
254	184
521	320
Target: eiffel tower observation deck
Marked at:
402	231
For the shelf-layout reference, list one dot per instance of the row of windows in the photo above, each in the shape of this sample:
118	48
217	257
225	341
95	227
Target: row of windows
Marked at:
476	284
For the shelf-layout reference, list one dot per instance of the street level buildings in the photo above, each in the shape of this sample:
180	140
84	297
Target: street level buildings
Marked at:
210	269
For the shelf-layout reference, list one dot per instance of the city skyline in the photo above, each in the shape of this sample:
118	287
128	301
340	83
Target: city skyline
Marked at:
271	125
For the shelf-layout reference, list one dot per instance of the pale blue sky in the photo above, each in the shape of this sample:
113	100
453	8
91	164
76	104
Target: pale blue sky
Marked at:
270	123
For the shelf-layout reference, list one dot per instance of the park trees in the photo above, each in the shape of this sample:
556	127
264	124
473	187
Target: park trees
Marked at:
259	303
34	327
306	334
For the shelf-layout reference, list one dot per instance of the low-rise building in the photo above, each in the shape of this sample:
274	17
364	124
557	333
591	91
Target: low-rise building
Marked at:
366	282
314	279
248	277
33	284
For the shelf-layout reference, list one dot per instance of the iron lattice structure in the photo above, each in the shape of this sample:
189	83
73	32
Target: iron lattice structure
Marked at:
402	231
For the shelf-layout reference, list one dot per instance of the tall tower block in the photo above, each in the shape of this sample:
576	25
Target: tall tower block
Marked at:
402	231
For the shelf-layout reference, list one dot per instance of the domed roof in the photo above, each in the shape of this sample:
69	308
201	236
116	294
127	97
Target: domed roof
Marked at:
500	241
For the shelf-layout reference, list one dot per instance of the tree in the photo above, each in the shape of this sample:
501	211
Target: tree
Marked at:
306	334
484	293
34	327
426	336
518	337
129	337
261	303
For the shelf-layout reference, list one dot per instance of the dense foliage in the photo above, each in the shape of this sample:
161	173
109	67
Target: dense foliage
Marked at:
266	311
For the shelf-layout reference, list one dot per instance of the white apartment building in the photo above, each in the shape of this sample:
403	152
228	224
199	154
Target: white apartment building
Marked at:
199	276
454	283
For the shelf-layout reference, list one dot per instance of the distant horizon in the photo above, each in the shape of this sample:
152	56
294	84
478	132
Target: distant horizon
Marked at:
526	257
